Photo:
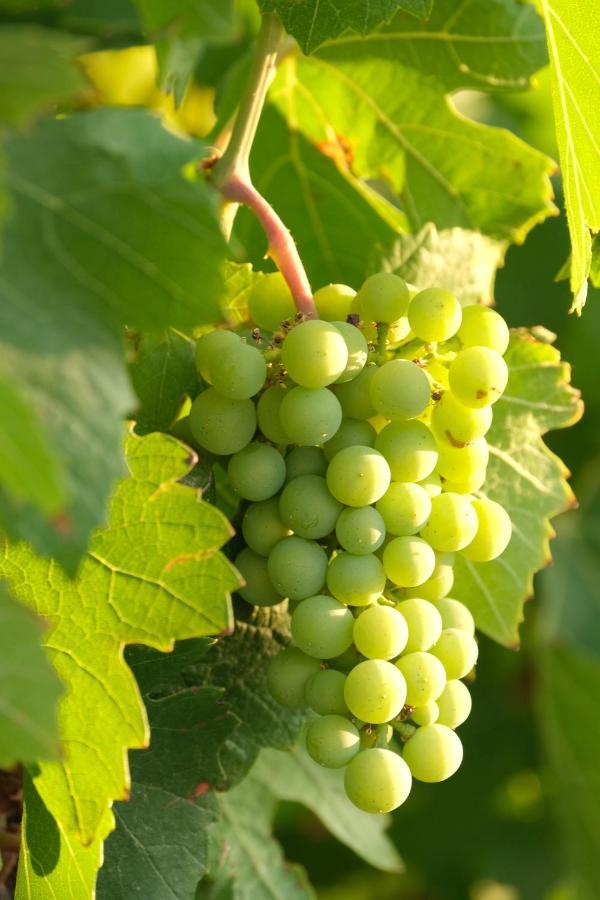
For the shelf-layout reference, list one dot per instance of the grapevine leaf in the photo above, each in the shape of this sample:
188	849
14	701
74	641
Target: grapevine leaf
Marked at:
238	281
37	71
152	576
29	689
312	22
463	262
574	44
163	373
527	479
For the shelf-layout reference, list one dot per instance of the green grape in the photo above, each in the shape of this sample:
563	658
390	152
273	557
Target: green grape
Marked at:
360	530
380	632
478	376
400	389
434	314
270	302
493	531
346	661
334	302
182	431
409	448
455	615
408	561
355	580
288	674
465	487
424	715
322	627
377	780
267	413
425	677
307	507
424	623
297	567
351	432
256	472
262	527
370	736
440	583
314	353
484	327
221	425
239	371
456	424
432	483
452	524
383	297
305	461
375	691
457	651
324	693
454	704
398	332
332	741
310	415
209	347
433	753
355	395
358	476
258	589
405	507
358	350
462	464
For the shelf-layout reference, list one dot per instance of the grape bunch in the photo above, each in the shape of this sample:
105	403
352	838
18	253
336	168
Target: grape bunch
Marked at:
358	441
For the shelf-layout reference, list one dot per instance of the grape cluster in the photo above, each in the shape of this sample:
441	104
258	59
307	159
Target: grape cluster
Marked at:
358	440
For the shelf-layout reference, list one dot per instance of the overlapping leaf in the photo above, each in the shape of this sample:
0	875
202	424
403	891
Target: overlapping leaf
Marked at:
163	373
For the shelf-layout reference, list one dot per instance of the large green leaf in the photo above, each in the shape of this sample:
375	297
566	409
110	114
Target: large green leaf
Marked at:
312	22
114	234
573	32
152	576
29	688
163	373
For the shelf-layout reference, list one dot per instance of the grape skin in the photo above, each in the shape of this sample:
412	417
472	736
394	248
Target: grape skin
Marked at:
494	530
380	632
356	580
332	741
434	314
409	448
400	390
375	691
257	472
433	753
307	507
405	508
454	704
322	627
324	693
452	523
352	432
424	623
297	568
287	675
358	476
310	416
258	589
425	677
360	530
268	413
270	302
383	297
478	376
457	651
334	302
408	561
221	425
208	348
262	527
314	353
484	327
377	780
305	461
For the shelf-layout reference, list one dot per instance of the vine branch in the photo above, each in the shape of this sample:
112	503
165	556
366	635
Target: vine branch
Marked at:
231	174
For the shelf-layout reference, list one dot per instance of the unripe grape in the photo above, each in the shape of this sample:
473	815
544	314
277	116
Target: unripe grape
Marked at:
383	297
287	675
484	327
433	753
455	615
210	345
347	660
409	448
360	530
425	677
352	432
452	523
468	485
425	715
324	693
380	632
457	651
258	589
314	353
262	527
439	584
375	691
355	395
305	461
221	425
332	741
358	476
358	351
434	314
370	736
478	376
424	623
460	464
270	302
408	561
400	389
322	627
377	780
405	508
268	413
454	704
256	472
307	507
310	416
493	531
355	580
456	424
432	484
297	568
334	301
238	371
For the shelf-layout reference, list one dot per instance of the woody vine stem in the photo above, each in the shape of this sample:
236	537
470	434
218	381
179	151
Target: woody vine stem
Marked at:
231	174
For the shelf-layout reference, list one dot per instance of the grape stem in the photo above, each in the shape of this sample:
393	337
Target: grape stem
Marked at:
231	173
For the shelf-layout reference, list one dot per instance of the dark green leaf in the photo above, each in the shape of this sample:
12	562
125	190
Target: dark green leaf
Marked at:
163	373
